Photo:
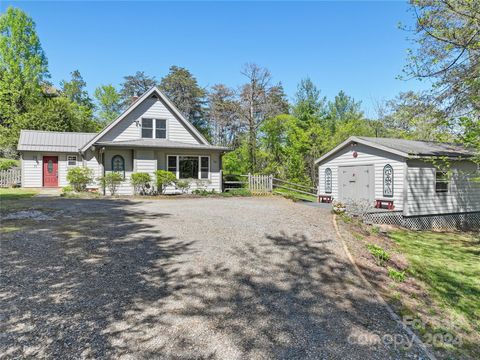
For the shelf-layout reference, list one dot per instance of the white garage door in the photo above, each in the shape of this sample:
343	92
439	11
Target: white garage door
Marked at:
357	183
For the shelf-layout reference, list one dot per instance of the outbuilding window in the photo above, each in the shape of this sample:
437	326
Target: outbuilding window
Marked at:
441	181
388	181
71	160
328	181
118	164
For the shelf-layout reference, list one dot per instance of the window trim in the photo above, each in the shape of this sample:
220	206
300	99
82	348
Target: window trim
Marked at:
393	181
123	160
177	172
68	160
329	171
446	181
154	127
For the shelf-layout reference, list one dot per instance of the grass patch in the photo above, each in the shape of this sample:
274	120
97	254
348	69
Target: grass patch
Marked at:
380	255
449	265
294	195
398	276
10	194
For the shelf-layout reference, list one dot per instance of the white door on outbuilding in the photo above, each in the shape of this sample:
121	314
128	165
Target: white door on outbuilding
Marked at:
357	183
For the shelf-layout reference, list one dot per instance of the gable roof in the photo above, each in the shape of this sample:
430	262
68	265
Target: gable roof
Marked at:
54	141
405	148
147	94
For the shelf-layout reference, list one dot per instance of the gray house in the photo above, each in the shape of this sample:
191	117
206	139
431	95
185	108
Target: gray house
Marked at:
405	181
151	134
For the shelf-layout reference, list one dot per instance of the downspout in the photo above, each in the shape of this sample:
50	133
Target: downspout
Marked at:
102	153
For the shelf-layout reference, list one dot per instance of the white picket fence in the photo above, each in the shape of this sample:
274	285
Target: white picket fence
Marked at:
260	184
10	177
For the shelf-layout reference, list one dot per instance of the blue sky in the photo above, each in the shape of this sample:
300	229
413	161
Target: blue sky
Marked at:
351	46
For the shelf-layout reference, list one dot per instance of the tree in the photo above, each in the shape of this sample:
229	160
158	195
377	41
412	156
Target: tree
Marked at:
259	100
135	85
344	108
108	103
75	90
181	87
447	52
223	115
23	65
413	116
309	106
53	114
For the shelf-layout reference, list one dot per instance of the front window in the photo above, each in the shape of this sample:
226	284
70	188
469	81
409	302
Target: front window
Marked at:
441	181
388	181
118	164
172	164
147	128
189	167
205	167
72	160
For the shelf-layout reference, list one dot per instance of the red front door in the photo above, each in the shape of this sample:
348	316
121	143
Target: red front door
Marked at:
50	171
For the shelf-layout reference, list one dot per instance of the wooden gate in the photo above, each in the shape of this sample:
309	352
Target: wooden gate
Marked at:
260	184
10	177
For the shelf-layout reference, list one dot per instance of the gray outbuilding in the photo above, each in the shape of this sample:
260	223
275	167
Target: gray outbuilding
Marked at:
417	183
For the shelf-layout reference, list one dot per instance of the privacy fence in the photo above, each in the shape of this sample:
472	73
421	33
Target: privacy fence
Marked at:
10	177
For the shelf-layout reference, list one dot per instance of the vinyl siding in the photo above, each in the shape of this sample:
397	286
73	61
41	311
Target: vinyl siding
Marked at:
214	175
92	161
463	194
366	156
32	170
125	187
145	161
127	129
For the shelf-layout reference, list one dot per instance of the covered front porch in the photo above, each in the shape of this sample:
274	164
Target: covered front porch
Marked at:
200	165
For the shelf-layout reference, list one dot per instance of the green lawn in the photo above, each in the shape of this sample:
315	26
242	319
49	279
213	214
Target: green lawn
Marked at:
449	265
16	193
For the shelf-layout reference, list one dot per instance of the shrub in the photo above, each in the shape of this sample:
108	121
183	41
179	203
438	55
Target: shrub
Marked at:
183	185
141	182
396	275
79	177
203	192
380	255
6	164
164	179
111	181
67	189
240	192
202	184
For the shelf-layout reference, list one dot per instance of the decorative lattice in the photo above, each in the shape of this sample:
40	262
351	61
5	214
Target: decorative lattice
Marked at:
464	221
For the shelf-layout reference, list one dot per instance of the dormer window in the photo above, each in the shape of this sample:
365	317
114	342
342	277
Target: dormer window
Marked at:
159	125
147	128
160	129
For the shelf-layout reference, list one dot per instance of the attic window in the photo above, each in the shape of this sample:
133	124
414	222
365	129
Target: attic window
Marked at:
147	128
442	180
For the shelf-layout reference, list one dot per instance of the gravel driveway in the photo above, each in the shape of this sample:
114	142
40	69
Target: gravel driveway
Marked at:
233	278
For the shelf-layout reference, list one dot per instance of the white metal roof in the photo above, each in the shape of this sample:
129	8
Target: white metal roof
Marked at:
405	148
53	141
